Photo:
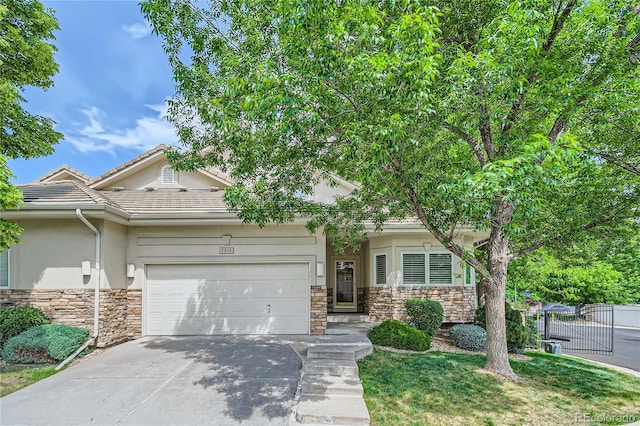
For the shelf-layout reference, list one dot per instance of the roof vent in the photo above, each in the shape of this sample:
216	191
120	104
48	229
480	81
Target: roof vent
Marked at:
214	189
183	189
117	188
149	188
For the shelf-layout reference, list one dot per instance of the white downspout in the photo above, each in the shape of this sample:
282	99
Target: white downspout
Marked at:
96	298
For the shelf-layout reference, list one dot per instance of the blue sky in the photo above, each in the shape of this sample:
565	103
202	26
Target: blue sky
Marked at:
110	94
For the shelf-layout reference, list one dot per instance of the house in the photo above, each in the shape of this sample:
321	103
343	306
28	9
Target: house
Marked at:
166	257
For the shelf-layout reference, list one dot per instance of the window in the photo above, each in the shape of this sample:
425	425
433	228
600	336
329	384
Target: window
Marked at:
469	275
415	269
167	175
381	269
440	268
4	269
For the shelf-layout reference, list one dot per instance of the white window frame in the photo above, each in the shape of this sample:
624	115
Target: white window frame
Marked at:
375	269
162	175
8	257
427	276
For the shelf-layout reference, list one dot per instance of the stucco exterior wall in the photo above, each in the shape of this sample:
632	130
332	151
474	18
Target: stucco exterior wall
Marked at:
51	253
198	244
114	258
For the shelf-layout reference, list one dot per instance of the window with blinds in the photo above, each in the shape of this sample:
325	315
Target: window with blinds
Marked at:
413	268
416	269
4	269
167	175
440	268
381	269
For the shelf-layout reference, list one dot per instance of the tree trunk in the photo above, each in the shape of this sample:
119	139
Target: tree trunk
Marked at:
494	292
497	352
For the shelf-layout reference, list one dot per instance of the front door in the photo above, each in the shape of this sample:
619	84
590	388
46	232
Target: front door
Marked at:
345	290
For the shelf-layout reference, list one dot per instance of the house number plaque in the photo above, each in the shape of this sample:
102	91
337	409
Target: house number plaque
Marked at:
226	250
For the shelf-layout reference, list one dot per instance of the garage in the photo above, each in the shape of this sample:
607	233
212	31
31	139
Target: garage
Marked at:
237	298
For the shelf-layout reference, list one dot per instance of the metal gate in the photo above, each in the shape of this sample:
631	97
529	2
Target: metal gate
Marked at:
584	329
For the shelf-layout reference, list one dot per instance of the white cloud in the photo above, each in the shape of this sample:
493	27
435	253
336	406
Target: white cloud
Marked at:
138	30
97	135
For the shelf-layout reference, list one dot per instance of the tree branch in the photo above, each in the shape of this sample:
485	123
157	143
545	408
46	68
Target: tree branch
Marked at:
422	216
558	23
475	146
485	126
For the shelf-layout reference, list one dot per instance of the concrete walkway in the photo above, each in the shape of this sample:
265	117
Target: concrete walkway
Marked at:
330	391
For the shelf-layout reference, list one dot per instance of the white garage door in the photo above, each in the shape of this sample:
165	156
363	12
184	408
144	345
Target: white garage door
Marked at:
250	298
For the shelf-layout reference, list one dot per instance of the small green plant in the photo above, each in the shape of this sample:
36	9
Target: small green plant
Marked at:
425	315
516	331
16	319
469	336
533	333
399	335
44	343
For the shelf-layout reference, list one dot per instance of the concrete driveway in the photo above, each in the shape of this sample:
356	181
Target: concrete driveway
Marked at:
168	381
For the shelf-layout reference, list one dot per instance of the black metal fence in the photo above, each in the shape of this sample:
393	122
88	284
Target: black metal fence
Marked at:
584	329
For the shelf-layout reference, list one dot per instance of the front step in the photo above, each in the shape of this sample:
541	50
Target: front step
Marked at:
339	350
337	410
345	317
332	367
314	384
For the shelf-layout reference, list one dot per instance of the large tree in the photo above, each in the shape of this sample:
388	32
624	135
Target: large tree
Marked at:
26	59
457	113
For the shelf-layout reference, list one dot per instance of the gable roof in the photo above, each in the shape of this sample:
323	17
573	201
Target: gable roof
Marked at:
60	193
128	166
61	171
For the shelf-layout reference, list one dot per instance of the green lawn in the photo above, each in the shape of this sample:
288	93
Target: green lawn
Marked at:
13	378
442	388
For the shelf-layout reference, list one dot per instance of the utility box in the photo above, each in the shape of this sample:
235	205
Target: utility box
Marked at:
553	348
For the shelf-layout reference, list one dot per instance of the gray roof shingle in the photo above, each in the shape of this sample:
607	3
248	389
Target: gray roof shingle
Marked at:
168	201
61	193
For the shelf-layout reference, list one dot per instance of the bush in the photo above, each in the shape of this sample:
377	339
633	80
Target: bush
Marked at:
44	343
16	319
399	335
533	333
425	315
469	336
516	332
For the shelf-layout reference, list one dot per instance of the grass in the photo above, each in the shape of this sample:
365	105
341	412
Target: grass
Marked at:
15	377
441	388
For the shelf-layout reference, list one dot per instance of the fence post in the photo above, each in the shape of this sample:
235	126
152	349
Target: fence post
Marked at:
546	325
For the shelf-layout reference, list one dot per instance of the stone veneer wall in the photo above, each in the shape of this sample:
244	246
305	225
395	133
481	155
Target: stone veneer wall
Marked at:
134	314
360	300
318	309
119	320
383	303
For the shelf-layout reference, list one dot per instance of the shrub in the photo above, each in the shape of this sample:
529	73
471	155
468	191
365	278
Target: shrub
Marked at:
516	331
533	333
44	343
425	315
399	335
469	336
16	319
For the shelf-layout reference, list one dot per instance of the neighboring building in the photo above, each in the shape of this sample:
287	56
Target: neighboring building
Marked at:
169	259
